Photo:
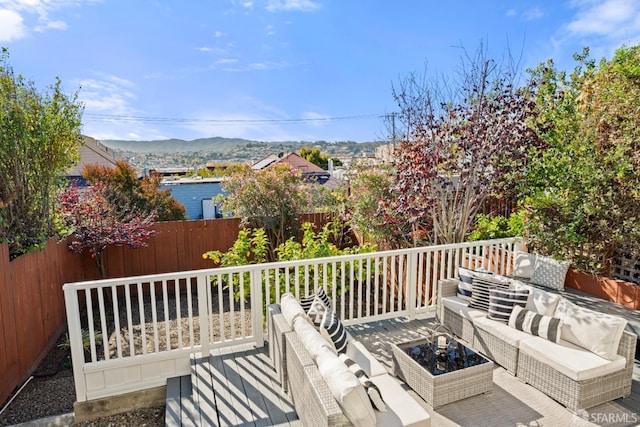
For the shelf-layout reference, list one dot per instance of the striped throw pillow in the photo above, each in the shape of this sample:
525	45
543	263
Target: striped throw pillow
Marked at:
535	324
372	390
307	301
334	328
502	302
482	284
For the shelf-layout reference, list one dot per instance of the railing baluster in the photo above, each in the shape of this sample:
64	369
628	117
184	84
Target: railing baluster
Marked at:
351	288
103	324
342	290
394	282
190	311
116	319
127	296
154	316
232	308
242	319
178	313
376	285
143	325
167	325
419	284
368	287
334	277
92	332
221	307
385	284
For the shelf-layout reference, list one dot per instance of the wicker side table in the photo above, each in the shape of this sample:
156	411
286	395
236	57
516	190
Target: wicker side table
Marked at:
441	389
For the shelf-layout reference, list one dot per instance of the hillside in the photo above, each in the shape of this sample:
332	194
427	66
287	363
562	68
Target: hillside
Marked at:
181	153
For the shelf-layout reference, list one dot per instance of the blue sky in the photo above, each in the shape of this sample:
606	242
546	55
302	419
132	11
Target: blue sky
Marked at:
279	69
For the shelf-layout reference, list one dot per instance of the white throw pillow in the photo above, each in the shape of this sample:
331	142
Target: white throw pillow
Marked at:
312	340
346	389
549	273
291	308
598	332
524	264
540	301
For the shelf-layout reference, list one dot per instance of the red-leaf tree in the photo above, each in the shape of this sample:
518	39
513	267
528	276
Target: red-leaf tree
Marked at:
460	145
95	223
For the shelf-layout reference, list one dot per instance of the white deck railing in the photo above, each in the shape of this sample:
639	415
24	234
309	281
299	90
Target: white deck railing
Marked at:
139	331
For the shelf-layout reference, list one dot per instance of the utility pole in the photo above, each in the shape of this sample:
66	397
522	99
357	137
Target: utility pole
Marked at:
393	129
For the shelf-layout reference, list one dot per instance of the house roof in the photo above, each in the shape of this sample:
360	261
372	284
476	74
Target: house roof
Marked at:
305	167
92	152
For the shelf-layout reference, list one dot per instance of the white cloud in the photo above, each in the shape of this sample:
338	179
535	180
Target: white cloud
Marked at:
11	26
512	12
270	30
318	119
268	65
219	34
203	49
10	10
610	18
243	117
289	5
109	95
533	14
51	25
227	61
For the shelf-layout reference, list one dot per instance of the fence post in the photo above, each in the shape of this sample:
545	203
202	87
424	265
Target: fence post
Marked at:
257	306
412	285
75	340
204	309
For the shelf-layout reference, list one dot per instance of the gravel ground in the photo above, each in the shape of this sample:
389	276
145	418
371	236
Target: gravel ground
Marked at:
51	391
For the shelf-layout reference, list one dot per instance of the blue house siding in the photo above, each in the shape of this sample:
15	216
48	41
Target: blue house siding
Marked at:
192	193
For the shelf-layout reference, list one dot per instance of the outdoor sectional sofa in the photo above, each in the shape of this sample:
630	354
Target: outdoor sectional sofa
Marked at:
306	385
589	362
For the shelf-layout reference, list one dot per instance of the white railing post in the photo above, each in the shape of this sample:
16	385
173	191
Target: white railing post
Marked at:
412	283
257	305
204	310
75	340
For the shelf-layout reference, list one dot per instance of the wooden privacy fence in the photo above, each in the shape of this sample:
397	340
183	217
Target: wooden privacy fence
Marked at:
32	311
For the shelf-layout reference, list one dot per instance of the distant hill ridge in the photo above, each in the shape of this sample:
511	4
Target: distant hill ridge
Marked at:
225	145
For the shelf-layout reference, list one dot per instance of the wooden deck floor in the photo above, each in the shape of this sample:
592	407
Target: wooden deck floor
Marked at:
234	386
238	386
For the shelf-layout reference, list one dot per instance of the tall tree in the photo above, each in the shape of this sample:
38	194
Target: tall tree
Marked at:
39	136
273	199
126	189
462	142
583	195
317	157
96	223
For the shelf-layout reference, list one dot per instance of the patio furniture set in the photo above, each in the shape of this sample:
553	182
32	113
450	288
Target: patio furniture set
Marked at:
577	356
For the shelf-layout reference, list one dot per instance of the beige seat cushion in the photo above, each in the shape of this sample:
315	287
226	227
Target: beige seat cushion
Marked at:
346	389
500	330
359	354
595	331
575	362
402	409
460	306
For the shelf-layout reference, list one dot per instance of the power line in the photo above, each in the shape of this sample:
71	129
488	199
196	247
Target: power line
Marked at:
176	120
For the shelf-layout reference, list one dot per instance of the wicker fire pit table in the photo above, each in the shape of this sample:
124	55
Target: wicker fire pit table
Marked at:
442	370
